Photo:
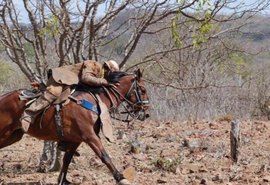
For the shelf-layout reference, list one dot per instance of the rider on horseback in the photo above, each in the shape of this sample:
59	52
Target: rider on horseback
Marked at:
89	72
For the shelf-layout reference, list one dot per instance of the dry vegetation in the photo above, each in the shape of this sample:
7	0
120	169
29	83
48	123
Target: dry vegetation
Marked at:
170	153
211	73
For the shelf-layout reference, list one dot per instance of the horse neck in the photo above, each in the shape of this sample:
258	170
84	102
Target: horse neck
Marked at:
115	96
111	99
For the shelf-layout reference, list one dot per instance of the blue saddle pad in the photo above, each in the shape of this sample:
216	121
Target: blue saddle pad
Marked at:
88	105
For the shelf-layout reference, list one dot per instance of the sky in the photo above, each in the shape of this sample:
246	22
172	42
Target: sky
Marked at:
23	14
24	18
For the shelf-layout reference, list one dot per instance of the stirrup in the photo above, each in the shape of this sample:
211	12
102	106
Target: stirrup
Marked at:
29	94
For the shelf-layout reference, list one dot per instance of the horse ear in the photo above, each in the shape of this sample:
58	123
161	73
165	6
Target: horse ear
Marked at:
138	74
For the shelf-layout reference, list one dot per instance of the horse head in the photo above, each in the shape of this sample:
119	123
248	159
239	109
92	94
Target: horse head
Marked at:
132	90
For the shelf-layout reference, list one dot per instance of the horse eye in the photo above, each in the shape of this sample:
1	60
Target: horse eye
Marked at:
143	90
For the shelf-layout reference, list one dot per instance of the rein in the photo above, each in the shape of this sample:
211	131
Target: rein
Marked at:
128	112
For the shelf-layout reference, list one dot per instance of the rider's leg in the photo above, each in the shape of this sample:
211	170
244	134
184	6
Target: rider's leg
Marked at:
52	92
30	112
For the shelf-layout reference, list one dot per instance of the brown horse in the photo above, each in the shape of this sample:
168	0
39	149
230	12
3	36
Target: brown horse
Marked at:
79	124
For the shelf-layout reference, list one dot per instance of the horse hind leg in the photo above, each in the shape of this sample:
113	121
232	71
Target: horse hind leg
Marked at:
95	143
62	179
10	137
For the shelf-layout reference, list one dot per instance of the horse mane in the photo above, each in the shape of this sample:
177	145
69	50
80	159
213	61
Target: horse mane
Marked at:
115	76
86	88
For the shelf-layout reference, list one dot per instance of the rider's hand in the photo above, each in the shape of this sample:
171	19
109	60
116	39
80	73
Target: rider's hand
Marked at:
35	84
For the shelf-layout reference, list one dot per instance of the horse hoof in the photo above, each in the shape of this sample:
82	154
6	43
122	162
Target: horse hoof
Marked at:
124	182
67	183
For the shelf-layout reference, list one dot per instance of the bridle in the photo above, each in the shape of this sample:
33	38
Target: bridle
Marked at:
133	110
137	91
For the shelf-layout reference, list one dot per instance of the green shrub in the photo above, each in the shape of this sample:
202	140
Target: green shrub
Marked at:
5	72
165	164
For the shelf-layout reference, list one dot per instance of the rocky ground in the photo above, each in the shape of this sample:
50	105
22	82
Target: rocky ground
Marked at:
153	153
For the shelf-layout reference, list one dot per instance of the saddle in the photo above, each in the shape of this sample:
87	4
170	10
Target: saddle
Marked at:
62	100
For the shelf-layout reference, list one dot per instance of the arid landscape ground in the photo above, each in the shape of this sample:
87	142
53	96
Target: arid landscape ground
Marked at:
172	153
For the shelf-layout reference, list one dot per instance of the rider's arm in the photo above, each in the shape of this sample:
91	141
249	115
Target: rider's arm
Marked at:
91	73
89	79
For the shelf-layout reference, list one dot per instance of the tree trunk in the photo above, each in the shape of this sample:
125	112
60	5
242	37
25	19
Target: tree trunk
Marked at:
50	158
235	140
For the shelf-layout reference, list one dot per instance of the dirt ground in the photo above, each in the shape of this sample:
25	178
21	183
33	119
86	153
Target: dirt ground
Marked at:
170	153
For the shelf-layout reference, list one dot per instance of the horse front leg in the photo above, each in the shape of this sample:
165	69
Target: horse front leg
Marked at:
95	143
62	179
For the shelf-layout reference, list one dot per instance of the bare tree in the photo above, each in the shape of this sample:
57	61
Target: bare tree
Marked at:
59	32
